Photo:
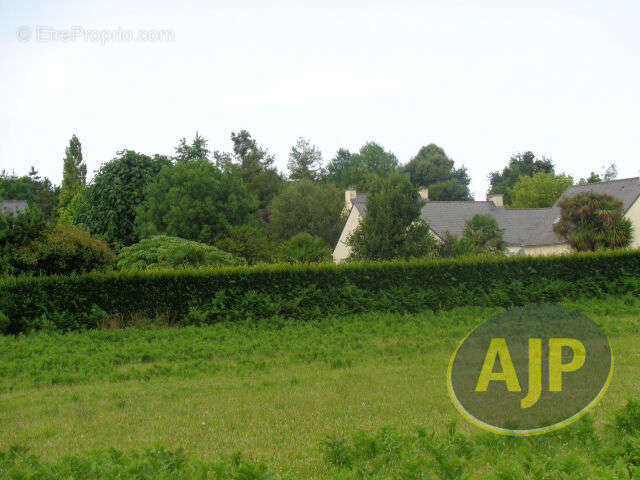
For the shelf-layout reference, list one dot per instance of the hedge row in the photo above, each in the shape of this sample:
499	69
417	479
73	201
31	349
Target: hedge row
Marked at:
203	296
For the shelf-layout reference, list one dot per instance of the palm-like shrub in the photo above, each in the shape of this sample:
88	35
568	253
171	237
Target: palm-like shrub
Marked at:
590	222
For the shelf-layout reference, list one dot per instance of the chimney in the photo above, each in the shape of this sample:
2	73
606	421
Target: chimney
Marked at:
424	193
349	197
496	199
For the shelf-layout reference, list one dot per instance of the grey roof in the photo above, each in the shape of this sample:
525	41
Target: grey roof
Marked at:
452	217
529	227
526	227
360	203
12	206
626	190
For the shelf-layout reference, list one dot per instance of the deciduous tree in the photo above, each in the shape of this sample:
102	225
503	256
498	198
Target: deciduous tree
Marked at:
539	191
431	167
393	205
194	200
307	206
115	193
357	169
520	165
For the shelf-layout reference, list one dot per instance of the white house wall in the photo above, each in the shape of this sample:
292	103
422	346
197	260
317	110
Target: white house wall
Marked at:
342	250
633	214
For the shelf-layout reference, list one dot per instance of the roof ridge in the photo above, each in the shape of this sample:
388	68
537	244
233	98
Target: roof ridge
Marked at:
458	201
605	181
528	209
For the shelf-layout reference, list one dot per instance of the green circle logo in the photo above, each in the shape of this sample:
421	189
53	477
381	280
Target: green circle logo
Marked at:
530	370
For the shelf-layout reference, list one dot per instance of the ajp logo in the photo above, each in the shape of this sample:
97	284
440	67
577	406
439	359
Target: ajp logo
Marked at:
530	370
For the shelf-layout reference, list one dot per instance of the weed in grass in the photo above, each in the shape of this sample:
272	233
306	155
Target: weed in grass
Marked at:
158	463
576	452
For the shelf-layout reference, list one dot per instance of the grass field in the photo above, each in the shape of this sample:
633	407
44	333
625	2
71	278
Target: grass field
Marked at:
353	397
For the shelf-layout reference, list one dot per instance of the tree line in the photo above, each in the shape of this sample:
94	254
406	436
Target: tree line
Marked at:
237	202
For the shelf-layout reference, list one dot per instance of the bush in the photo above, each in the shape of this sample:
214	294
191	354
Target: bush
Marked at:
453	246
305	248
167	252
21	229
66	250
419	242
4	323
29	246
592	222
306	291
306	206
250	243
484	233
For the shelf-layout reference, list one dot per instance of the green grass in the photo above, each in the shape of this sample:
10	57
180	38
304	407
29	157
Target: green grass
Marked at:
296	397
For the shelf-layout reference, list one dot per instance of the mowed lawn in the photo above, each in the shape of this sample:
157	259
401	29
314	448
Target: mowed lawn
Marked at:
272	391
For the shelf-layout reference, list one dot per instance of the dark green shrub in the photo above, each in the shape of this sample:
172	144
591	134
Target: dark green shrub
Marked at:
4	323
306	291
63	251
248	242
164	252
419	242
305	248
453	246
18	232
483	232
307	206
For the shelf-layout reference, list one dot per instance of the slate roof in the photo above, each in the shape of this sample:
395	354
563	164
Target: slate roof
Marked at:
529	227
526	227
360	203
12	206
627	190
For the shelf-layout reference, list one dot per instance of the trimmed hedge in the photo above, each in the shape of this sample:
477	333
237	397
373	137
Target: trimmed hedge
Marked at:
305	291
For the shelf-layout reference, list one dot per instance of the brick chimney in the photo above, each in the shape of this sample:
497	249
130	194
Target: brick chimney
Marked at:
349	197
496	199
424	193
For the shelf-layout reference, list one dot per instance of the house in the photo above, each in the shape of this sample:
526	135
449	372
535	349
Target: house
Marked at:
12	206
526	231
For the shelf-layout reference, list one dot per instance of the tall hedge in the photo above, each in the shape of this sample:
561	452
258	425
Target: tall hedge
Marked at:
305	291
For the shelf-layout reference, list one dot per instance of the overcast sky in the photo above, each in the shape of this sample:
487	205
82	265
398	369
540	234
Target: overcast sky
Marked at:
482	79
